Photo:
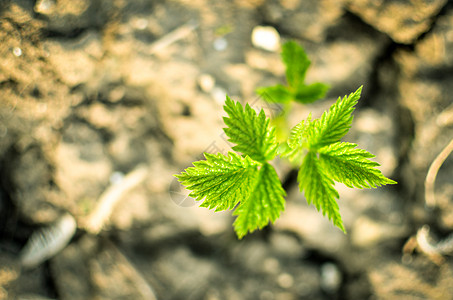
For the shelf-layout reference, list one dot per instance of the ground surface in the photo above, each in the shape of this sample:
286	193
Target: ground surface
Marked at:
94	90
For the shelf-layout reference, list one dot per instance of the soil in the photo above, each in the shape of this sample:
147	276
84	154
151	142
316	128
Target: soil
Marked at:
109	99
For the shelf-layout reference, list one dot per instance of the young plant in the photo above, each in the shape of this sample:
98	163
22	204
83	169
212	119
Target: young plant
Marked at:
249	184
297	64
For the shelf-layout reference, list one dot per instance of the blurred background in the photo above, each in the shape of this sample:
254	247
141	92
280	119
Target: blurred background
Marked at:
103	101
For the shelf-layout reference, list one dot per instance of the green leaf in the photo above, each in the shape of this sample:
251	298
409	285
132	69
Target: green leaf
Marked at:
296	66
223	181
334	123
328	159
310	93
330	128
297	142
353	167
296	62
250	131
277	93
318	189
264	205
298	135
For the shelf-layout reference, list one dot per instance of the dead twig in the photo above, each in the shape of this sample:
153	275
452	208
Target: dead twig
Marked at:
434	250
424	243
432	173
97	219
172	37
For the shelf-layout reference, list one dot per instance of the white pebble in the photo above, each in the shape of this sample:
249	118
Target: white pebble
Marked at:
206	82
17	51
330	277
220	44
44	6
266	37
116	177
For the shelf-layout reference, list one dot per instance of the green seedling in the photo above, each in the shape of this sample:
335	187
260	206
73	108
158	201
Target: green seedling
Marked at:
297	64
248	184
296	91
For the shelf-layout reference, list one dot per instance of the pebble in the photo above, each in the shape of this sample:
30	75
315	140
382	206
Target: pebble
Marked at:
17	51
330	277
116	177
266	37
206	82
285	280
44	6
220	44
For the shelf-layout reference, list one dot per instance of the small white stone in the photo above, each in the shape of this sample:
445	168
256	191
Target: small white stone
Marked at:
17	51
44	6
220	44
206	82
266	37
330	277
116	177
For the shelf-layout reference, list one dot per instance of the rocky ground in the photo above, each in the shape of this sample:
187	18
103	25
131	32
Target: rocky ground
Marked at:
103	101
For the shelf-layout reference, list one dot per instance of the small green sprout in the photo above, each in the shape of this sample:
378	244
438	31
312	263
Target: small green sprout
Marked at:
248	184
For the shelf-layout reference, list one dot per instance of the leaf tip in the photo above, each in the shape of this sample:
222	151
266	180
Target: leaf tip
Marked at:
359	90
240	235
391	181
